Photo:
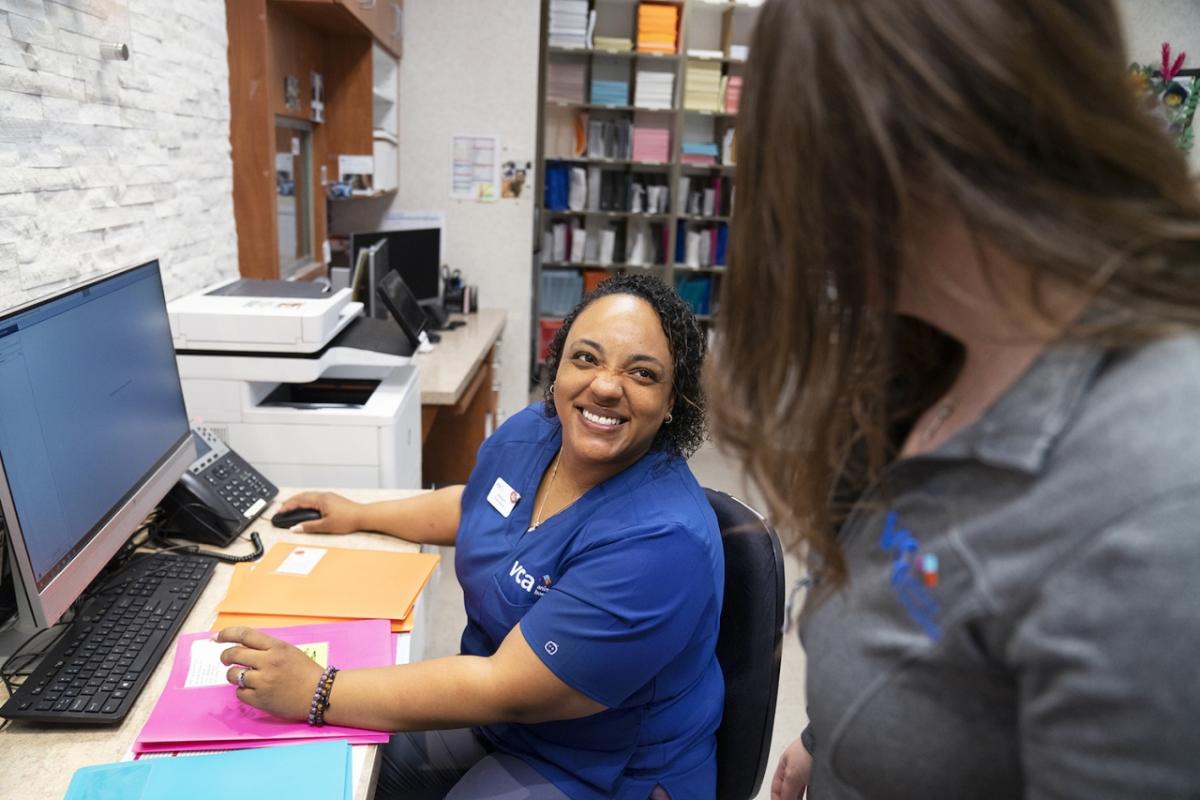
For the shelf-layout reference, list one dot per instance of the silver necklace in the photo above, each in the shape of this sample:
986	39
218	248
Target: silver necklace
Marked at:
549	487
942	413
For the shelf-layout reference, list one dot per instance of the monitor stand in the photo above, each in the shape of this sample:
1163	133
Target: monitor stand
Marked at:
13	627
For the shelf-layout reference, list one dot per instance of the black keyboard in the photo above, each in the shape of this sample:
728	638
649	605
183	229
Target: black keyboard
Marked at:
98	668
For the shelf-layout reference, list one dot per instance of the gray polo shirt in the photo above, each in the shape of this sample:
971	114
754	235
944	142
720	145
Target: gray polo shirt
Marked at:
1053	649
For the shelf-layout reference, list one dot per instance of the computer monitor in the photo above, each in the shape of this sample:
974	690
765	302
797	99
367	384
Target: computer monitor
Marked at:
93	433
369	262
414	253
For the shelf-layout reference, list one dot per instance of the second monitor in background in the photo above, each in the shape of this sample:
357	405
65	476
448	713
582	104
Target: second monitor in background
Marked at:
414	254
396	299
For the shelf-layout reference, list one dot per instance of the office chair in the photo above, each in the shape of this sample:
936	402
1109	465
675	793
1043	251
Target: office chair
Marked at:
749	646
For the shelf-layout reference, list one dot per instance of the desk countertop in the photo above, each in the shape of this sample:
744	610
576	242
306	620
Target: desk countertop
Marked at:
38	760
447	371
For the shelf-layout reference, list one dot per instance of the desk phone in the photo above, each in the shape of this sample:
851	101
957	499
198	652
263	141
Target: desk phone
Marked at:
218	496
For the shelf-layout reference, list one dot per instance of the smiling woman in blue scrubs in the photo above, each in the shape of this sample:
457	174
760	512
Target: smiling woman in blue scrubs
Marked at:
592	568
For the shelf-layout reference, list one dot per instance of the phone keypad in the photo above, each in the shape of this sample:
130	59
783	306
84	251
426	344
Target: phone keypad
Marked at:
239	485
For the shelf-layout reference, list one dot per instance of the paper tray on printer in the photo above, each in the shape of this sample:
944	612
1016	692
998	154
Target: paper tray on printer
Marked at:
325	393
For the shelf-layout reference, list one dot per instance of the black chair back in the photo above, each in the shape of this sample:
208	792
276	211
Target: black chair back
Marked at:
749	646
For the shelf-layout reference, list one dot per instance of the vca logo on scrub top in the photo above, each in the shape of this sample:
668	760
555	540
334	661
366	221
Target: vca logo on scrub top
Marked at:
524	578
913	576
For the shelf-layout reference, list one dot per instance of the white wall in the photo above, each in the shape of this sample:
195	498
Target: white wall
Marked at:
106	164
471	67
1149	23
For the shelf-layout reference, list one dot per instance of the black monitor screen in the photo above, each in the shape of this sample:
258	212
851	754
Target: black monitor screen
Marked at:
403	307
415	254
90	404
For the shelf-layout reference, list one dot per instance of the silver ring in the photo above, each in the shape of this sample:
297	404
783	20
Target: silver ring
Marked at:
242	679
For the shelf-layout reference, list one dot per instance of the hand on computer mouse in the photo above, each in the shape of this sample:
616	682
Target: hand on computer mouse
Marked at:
333	513
288	519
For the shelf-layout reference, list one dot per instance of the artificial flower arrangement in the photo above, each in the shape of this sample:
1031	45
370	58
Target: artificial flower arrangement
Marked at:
1169	95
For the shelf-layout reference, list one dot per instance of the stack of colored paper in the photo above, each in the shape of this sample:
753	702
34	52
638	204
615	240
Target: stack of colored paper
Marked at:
699	153
199	709
565	81
655	89
320	771
610	93
733	93
651	140
657	28
568	23
302	585
702	86
615	44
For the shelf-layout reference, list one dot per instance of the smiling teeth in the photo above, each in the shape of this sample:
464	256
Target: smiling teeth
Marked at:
599	420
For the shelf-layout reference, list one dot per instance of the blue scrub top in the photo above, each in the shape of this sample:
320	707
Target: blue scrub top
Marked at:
620	596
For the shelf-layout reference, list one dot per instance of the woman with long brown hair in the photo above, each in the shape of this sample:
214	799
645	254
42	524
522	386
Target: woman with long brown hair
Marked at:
958	353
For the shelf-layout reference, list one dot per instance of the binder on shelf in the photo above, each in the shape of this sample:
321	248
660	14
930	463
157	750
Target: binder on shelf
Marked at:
719	257
577	190
558	186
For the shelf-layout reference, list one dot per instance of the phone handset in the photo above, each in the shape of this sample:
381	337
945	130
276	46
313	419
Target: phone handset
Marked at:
218	496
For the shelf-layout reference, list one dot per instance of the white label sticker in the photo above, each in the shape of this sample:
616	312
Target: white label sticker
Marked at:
204	663
503	497
301	560
254	509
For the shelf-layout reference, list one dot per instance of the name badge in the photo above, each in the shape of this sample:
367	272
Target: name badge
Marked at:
503	497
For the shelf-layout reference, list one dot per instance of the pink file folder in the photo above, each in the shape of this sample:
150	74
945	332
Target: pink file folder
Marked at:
212	717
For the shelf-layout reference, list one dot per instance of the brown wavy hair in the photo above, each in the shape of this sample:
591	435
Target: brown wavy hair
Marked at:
856	116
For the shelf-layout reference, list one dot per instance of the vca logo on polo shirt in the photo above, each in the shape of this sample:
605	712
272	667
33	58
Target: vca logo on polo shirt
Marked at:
524	578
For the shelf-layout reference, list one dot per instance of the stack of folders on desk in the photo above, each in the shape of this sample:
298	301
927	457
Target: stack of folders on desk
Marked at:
319	771
199	708
297	584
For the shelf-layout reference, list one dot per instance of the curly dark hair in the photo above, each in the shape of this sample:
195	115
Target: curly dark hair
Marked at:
688	428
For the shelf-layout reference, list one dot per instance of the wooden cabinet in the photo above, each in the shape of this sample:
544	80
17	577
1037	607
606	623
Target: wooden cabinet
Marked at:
284	155
384	18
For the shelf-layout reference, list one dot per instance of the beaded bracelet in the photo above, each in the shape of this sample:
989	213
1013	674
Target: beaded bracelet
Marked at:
320	701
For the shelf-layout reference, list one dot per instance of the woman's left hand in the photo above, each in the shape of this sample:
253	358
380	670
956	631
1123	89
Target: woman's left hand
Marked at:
279	678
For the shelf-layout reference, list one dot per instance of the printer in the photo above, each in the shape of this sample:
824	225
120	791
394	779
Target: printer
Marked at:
294	378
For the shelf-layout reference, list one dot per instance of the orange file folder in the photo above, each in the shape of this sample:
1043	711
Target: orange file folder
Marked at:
308	580
229	618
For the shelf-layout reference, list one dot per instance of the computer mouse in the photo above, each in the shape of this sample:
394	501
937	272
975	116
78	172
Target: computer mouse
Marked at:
288	519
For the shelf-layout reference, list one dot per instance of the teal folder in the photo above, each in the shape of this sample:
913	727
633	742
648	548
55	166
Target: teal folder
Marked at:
298	772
